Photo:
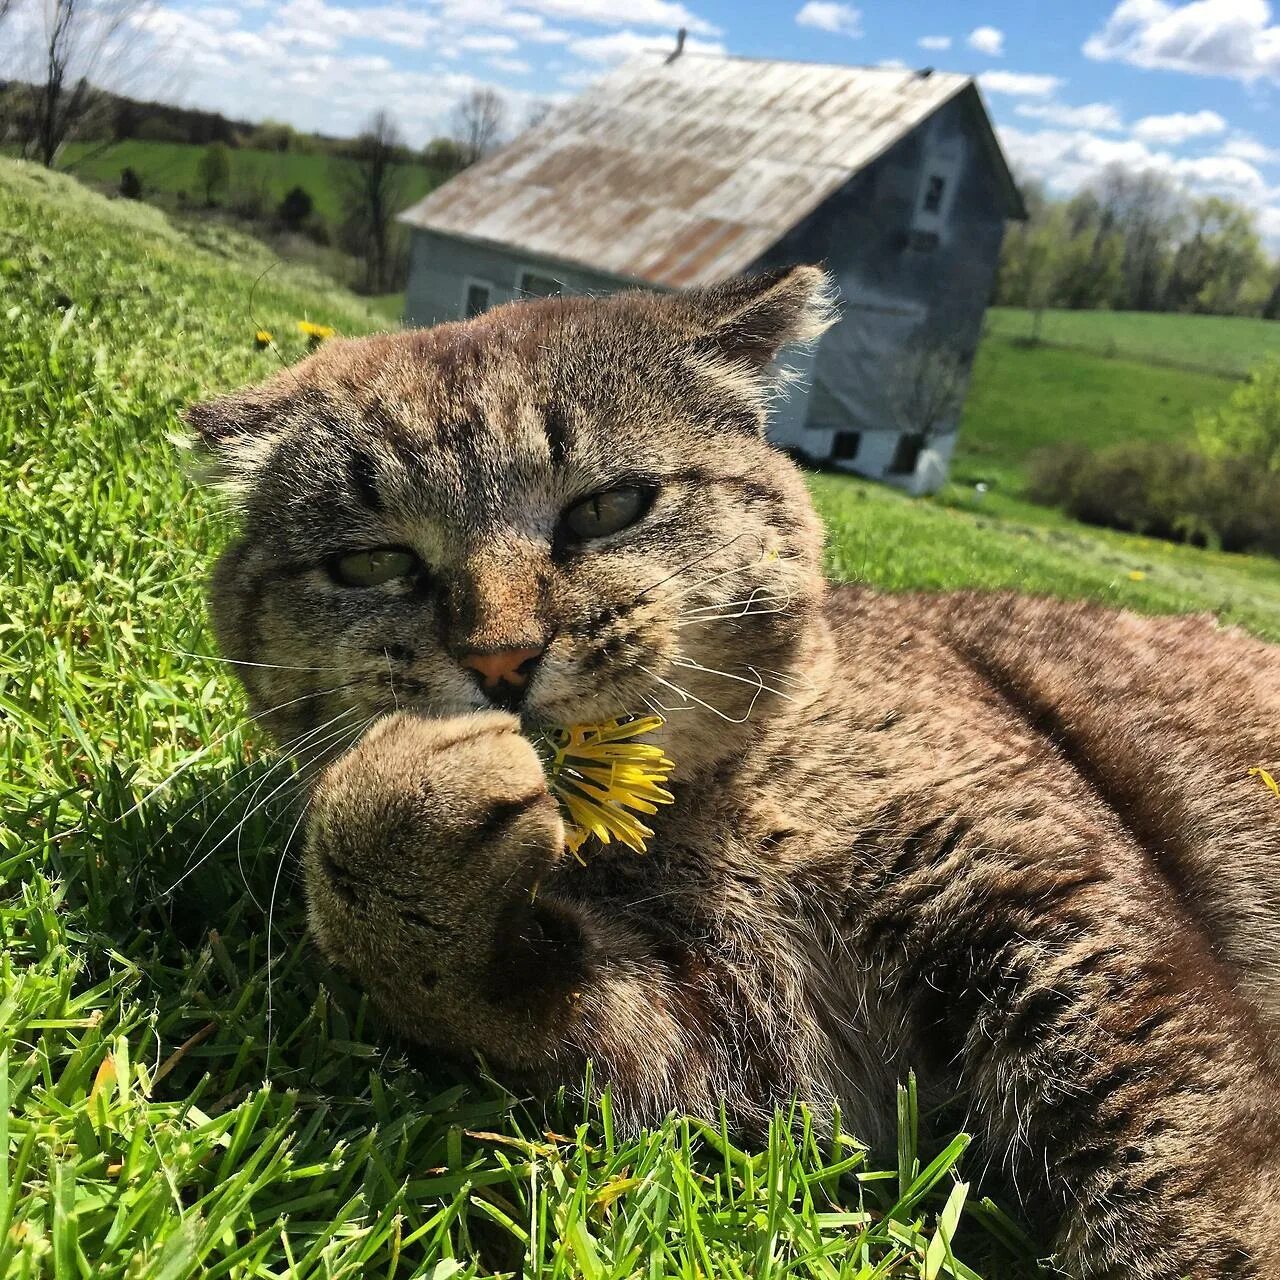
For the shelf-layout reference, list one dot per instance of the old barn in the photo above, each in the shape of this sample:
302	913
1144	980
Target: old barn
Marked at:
678	171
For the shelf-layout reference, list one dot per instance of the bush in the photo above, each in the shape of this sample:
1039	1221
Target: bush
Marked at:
130	184
1248	425
1170	491
214	169
295	208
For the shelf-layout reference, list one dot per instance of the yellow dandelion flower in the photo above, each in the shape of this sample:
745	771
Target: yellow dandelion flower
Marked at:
604	780
262	338
1264	776
316	333
1136	575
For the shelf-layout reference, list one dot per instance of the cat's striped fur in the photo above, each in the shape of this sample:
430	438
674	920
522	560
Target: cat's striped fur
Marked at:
1010	843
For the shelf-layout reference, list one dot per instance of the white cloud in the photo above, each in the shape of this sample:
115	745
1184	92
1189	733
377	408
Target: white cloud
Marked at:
457	14
1098	117
1178	127
840	19
988	40
488	43
1233	38
892	64
1269	224
284	74
1020	84
1068	159
618	13
934	42
512	66
622	45
1226	174
1244	147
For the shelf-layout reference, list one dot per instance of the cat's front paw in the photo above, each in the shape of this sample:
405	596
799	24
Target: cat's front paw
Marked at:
426	845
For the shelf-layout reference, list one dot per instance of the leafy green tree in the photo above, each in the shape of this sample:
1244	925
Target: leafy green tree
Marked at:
1214	262
1248	425
130	184
214	169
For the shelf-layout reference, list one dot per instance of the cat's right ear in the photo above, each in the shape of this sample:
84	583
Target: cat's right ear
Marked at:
749	320
232	437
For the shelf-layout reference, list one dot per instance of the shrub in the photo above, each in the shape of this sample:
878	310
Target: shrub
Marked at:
214	169
130	184
1248	425
1162	490
295	208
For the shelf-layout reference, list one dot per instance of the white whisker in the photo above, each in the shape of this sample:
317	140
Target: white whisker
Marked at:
239	662
209	746
254	806
690	697
681	661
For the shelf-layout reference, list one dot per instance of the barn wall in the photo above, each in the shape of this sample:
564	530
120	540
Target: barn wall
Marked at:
889	289
440	267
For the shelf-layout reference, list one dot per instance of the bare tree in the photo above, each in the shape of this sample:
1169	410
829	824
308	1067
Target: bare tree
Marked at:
373	181
538	110
927	384
478	120
1148	211
78	41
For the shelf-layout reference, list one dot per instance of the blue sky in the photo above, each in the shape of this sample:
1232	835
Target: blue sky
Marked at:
1190	88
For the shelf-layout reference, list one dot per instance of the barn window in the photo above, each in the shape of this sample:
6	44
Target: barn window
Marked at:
939	176
536	284
477	296
907	454
845	445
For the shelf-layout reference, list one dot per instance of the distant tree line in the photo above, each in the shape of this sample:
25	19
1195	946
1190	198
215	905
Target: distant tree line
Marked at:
40	115
1134	241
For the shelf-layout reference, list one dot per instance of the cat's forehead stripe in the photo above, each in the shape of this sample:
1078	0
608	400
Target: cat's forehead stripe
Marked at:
557	428
363	475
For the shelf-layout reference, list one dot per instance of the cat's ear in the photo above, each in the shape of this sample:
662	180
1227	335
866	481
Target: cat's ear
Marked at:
234	436
749	320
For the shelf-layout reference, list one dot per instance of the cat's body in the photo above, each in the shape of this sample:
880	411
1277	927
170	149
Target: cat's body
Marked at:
1011	844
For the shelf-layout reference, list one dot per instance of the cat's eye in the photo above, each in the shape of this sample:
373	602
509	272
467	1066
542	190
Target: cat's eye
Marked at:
607	512
372	568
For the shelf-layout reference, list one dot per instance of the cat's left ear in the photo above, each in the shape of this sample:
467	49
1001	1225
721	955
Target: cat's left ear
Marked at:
749	320
233	437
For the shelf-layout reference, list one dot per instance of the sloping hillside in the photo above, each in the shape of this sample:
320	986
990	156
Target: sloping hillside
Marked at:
187	1090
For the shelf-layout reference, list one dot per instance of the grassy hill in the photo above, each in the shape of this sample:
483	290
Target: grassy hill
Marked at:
168	168
185	1087
1230	345
1023	398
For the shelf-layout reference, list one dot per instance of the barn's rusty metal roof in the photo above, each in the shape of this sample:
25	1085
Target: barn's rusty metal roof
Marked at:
683	172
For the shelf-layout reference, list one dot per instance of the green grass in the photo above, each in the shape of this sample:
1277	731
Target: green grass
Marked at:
163	1113
1230	345
1024	398
170	167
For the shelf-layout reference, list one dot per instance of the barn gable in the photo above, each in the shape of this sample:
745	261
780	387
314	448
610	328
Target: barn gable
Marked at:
676	172
682	172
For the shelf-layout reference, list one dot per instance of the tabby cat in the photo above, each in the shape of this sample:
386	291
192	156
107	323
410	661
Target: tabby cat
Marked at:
1010	843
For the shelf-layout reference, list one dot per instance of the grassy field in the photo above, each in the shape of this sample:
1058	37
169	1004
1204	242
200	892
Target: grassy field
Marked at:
185	1088
171	167
1023	398
1231	345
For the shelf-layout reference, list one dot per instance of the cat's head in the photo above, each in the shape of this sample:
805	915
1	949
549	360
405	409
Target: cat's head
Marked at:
565	508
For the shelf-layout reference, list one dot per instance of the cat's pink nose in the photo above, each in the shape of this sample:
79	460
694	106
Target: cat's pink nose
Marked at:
503	666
